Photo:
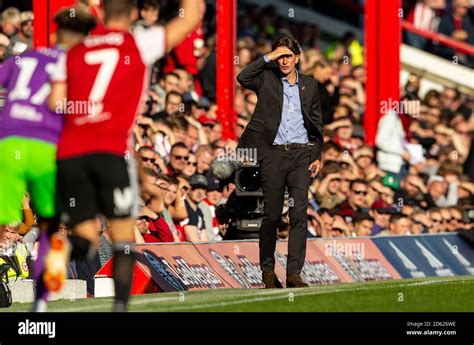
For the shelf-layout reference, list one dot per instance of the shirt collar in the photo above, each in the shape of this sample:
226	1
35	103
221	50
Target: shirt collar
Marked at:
283	78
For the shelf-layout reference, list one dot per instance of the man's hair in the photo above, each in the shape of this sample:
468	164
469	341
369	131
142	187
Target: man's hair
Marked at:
118	8
173	93
75	19
396	217
145	148
178	121
164	177
331	145
11	15
178	146
324	210
361	216
357	180
288	42
151	5
204	148
171	74
173	181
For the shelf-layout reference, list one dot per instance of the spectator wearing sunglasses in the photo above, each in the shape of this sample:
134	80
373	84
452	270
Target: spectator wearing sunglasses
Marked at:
356	200
179	157
147	156
380	211
23	40
420	222
191	166
436	220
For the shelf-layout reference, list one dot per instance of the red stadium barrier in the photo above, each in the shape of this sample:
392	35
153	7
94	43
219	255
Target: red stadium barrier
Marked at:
442	39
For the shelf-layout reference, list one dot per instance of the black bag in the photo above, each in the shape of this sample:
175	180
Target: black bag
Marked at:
5	292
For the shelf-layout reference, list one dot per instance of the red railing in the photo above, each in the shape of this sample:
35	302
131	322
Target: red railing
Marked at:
462	47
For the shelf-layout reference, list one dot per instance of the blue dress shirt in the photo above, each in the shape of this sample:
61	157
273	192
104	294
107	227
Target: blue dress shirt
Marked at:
291	129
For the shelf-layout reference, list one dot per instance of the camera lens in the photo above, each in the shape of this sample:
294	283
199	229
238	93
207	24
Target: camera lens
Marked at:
249	179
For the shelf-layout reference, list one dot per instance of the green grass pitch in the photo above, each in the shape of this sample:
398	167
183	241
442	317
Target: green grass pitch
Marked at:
447	294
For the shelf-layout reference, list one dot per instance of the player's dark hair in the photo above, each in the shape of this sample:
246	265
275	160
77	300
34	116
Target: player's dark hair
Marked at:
396	217
75	19
357	181
361	216
173	93
151	5
288	42
118	8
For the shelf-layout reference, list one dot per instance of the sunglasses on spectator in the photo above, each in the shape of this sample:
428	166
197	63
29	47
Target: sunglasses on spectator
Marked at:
417	222
148	159
436	221
337	230
194	164
360	192
180	157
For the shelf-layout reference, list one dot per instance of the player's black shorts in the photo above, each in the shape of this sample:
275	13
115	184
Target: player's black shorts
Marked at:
93	184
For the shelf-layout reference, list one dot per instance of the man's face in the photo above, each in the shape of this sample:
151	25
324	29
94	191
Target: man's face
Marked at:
215	133
163	187
192	137
149	15
400	227
204	160
214	196
286	63
27	28
344	132
197	194
190	169
9	29
364	228
179	158
447	224
410	186
419	223
10	235
322	74
170	194
436	222
327	223
148	159
364	161
437	189
358	195
331	155
460	7
171	83
185	82
381	219
173	103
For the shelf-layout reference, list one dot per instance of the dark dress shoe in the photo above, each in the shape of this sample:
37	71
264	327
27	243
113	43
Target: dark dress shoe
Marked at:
294	281
271	281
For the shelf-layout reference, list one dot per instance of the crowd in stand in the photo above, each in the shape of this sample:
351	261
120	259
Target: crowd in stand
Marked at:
417	178
451	18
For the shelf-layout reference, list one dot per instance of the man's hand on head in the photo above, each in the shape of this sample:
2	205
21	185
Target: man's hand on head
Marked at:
278	52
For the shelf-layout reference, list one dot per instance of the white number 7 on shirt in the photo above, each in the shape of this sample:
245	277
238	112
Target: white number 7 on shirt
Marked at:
108	59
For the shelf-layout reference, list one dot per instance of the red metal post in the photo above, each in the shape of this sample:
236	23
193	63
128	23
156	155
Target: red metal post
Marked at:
40	9
226	37
382	58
